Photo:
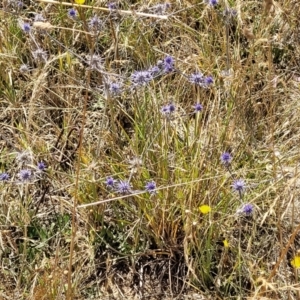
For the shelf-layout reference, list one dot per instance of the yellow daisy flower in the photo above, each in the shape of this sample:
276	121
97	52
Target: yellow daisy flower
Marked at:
226	244
205	209
296	262
79	1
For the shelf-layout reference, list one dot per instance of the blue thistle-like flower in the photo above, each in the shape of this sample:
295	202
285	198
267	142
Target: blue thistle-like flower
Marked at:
168	64
150	187
208	80
168	109
123	187
115	88
25	27
196	78
239	185
72	13
141	78
247	209
25	175
226	158
198	107
40	55
110	182
4	177
95	24
213	2
112	6
155	71
41	166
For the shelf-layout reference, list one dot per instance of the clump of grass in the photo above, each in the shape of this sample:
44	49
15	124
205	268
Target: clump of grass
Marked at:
149	149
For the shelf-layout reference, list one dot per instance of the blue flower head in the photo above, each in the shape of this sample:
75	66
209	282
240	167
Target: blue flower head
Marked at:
198	107
123	187
150	187
72	13
196	78
239	185
115	88
226	158
41	166
25	175
110	182
141	78
4	177
168	64
247	209
25	27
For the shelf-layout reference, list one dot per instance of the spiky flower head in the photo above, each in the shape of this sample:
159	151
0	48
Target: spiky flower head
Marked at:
25	175
115	88
123	187
110	182
226	158
24	68
72	13
112	5
4	177
168	64
198	107
168	109
213	2
39	18
95	24
25	26
39	55
208	81
95	62
24	158
41	166
247	209
239	185
196	78
141	78
150	187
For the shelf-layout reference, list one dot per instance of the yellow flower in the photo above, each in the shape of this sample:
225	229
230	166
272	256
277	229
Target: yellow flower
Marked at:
205	209
79	1
296	262
226	244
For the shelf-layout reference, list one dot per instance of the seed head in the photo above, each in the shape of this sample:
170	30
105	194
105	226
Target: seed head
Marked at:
95	62
40	55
